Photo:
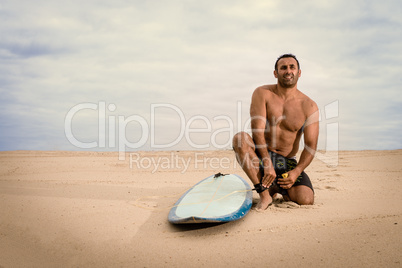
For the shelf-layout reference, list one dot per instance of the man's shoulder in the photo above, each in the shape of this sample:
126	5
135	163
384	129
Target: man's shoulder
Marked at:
309	104
306	99
265	89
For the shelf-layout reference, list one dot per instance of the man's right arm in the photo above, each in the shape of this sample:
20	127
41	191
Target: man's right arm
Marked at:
258	113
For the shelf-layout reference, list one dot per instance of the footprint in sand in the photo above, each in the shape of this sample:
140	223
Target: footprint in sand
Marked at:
287	204
331	188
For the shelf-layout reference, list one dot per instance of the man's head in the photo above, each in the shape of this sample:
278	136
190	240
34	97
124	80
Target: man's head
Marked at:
287	71
286	56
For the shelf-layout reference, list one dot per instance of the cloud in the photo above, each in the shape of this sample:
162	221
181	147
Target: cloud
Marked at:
202	57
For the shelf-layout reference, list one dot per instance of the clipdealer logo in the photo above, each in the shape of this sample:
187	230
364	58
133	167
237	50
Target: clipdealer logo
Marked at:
112	132
117	138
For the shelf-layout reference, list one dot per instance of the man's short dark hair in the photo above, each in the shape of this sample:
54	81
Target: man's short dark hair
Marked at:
286	56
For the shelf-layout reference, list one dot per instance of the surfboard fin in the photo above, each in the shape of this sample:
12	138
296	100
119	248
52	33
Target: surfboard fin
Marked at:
217	175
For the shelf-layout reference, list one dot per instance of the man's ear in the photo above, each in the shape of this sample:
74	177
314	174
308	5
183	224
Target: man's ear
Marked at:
299	72
276	74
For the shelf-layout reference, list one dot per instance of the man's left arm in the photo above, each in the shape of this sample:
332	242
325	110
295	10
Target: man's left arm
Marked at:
311	130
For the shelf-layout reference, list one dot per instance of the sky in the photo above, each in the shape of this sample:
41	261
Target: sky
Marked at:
172	75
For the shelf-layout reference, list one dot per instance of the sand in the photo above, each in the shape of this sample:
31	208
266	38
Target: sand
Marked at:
88	209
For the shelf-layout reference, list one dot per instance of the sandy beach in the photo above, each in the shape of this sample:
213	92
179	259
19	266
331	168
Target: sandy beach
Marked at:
90	209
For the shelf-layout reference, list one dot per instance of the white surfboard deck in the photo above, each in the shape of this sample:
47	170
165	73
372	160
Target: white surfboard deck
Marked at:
214	199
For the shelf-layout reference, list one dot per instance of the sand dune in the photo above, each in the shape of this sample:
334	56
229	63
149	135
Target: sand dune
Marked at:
87	209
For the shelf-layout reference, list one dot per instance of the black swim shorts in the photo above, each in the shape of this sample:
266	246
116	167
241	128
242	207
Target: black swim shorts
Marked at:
283	165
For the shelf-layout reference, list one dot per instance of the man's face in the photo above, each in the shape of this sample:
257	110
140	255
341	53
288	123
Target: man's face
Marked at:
288	73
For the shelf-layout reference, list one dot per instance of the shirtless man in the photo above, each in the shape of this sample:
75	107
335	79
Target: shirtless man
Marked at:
280	113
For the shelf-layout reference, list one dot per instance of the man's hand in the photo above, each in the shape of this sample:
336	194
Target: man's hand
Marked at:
288	179
269	176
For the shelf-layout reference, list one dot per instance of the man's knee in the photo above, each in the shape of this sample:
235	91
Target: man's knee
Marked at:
302	195
306	200
241	140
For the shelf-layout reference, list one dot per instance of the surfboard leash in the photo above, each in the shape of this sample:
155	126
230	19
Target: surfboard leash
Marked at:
259	188
217	175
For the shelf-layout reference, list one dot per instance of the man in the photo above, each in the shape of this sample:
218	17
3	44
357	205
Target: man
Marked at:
280	114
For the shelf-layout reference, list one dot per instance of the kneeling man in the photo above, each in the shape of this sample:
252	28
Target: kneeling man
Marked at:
280	114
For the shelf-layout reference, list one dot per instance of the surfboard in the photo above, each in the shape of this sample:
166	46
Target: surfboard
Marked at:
218	198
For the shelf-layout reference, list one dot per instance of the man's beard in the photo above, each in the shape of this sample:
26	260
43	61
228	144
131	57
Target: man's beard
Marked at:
288	83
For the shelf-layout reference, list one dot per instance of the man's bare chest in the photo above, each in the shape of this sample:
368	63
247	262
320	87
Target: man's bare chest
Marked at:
287	117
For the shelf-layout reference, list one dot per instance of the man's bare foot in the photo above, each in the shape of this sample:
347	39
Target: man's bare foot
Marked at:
265	201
